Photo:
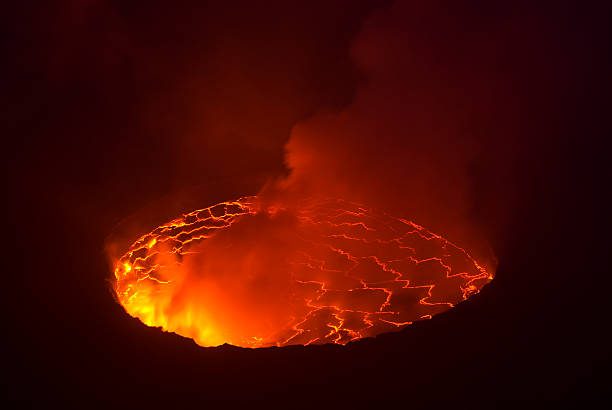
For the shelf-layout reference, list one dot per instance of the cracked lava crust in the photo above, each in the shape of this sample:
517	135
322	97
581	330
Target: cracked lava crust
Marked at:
322	271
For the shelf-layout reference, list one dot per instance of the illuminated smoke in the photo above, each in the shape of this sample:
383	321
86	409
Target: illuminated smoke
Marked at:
291	265
426	116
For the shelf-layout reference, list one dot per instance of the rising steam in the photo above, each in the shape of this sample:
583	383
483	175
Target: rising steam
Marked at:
294	265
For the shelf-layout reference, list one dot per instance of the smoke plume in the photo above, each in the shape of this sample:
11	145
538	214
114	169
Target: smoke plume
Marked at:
432	135
436	106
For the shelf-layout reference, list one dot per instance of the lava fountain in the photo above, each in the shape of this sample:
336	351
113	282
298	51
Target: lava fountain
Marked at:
252	274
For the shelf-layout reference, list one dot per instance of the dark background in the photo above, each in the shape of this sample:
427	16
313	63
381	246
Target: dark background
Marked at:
105	108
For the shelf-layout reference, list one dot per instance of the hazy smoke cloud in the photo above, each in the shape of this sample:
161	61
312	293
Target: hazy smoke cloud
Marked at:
439	104
433	134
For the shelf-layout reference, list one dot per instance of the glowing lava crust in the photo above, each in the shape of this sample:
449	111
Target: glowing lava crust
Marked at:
326	271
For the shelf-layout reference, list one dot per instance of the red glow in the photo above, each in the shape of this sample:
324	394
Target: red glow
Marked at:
326	271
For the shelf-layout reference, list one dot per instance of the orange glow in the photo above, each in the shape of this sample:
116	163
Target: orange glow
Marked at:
326	271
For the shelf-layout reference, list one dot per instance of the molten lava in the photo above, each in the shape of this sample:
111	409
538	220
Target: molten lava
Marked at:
254	275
